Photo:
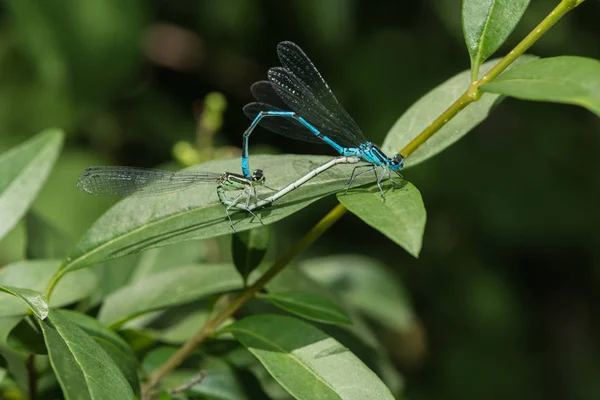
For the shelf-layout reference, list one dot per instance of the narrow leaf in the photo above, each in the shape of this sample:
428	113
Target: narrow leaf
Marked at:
178	286
220	381
487	24
310	305
565	79
136	224
164	258
35	275
429	107
27	337
308	363
156	357
248	249
44	240
184	329
367	285
6	325
126	363
3	370
400	216
115	346
294	279
35	300
23	171
82	367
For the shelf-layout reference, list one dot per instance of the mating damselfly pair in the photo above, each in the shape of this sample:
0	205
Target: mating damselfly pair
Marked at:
295	102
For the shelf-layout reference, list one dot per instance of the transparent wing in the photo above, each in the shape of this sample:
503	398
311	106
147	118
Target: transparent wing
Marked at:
263	92
299	98
315	88
129	181
284	126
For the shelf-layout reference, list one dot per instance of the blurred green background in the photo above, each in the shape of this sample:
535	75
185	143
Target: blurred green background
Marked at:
506	288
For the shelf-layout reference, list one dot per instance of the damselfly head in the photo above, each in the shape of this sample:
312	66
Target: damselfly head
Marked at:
258	176
397	162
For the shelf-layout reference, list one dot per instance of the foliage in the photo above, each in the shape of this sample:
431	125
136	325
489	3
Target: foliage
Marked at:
156	299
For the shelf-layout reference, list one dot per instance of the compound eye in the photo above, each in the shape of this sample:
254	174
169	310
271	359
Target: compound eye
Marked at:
257	175
398	160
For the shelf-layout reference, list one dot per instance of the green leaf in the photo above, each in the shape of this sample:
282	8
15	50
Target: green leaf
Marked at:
400	216
23	171
165	258
44	240
367	285
3	370
35	300
307	362
115	346
27	337
138	340
429	107
487	24
16	366
177	286
248	249
156	357
35	275
294	279
82	367
219	383
126	362
6	326
310	305
565	79
137	224
184	329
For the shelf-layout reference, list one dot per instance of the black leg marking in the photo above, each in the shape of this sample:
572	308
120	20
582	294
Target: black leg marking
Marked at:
372	167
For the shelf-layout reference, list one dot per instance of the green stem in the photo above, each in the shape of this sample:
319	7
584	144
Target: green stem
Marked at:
213	324
473	93
31	377
52	284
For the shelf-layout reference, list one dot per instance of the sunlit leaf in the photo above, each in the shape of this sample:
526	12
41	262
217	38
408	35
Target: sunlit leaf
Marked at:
35	275
487	24
115	346
178	286
23	171
82	367
35	300
308	363
565	79
141	223
425	110
310	306
248	249
400	215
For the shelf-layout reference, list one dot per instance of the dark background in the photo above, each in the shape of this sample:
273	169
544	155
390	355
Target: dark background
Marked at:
506	287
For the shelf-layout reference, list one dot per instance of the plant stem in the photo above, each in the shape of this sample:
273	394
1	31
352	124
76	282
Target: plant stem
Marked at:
213	324
472	94
56	277
31	377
